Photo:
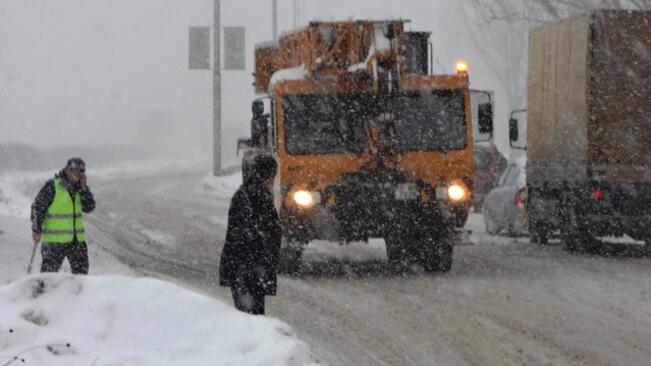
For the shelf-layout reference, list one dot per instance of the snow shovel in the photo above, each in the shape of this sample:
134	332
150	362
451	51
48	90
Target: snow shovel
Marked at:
31	260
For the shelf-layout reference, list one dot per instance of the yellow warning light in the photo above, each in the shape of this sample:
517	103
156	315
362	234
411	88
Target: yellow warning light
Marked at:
462	67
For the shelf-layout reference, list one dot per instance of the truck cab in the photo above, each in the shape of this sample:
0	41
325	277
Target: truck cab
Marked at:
369	144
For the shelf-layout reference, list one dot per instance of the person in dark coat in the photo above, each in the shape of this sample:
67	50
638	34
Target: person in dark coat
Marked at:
57	218
249	261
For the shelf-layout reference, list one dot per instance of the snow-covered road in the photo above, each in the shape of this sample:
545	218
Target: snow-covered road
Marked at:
505	302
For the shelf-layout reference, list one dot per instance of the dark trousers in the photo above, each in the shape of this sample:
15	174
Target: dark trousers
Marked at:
54	254
249	299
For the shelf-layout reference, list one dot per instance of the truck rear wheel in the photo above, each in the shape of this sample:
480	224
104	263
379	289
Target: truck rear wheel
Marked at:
575	237
577	242
539	234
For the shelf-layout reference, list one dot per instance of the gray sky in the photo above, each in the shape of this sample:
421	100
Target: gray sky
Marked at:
103	72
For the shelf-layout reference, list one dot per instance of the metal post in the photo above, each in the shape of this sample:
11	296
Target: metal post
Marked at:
274	14
294	12
216	93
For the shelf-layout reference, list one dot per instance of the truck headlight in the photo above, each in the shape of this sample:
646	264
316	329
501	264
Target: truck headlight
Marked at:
456	192
304	198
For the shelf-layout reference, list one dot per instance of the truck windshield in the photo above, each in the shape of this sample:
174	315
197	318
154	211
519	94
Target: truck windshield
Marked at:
431	120
326	124
323	124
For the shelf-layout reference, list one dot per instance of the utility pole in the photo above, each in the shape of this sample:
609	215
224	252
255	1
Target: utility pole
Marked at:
274	14
295	10
216	92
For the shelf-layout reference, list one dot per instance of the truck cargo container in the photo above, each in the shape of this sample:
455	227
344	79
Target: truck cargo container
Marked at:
589	128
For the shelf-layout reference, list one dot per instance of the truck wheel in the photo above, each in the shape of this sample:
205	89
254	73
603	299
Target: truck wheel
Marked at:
291	258
397	252
538	234
438	252
575	234
440	258
576	238
461	217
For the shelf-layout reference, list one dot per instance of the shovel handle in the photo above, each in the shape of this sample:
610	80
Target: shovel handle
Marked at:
31	260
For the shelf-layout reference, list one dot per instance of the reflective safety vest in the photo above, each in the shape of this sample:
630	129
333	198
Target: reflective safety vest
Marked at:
63	219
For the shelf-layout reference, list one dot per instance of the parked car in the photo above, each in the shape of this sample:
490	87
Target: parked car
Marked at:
489	164
504	206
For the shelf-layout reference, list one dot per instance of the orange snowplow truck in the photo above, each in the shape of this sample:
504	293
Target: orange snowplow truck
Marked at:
368	143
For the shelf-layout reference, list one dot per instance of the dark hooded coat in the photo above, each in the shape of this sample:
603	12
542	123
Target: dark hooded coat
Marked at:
252	245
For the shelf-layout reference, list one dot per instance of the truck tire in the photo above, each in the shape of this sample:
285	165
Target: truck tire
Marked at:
538	234
439	259
291	259
437	252
576	242
575	237
461	216
398	252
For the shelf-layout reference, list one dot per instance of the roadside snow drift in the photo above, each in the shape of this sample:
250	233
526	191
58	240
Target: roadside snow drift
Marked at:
62	319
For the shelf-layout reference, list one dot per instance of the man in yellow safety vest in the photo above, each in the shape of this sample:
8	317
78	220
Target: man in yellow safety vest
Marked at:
57	218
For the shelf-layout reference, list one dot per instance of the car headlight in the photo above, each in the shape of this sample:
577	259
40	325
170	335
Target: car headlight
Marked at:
304	198
456	192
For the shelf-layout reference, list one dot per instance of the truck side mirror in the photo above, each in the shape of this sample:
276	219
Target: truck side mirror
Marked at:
513	130
257	108
258	123
259	129
485	117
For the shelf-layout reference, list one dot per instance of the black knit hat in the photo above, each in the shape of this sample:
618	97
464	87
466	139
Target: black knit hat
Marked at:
264	167
75	164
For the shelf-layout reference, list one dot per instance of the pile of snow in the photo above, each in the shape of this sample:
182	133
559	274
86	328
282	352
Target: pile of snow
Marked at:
16	248
62	319
222	186
15	251
18	188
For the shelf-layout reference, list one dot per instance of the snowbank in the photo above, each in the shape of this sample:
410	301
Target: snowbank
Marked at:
16	249
18	188
62	319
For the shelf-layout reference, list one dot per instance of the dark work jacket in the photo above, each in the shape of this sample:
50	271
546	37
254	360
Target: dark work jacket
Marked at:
252	245
46	195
